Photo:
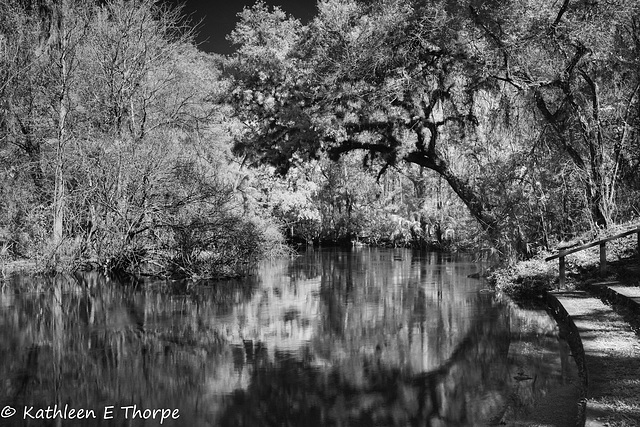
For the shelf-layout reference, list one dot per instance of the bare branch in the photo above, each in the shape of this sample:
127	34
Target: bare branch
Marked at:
561	12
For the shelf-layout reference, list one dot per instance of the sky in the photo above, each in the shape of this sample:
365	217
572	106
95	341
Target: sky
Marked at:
220	16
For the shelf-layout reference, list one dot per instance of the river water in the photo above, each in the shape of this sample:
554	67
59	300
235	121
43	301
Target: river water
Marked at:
330	338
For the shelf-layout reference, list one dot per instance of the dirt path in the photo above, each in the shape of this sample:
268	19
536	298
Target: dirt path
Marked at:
612	356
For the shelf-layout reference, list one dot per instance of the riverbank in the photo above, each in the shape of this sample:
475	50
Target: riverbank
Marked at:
17	266
612	359
606	314
156	265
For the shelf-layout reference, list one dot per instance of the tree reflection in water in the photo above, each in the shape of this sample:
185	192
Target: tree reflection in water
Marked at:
370	337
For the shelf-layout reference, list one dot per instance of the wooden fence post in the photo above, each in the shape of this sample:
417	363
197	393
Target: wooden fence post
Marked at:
603	253
562	271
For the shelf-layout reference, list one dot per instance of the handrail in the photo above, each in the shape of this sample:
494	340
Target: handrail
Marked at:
603	252
592	244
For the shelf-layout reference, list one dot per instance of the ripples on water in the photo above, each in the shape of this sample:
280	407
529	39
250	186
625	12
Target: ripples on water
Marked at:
361	338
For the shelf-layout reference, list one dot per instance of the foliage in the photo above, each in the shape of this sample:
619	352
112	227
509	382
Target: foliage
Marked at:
525	278
531	277
396	121
578	80
113	148
506	102
339	202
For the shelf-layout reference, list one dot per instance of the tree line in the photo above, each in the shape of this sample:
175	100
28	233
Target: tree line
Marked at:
528	112
114	152
398	122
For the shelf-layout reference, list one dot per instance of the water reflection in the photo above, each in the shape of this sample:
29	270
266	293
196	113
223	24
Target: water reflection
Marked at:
370	337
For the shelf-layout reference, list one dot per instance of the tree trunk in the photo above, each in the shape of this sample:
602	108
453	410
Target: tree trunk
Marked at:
58	196
59	184
477	208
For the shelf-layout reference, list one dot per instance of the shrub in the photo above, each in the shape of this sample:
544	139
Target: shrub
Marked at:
524	278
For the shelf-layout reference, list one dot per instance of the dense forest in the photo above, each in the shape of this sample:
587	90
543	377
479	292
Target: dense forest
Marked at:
509	125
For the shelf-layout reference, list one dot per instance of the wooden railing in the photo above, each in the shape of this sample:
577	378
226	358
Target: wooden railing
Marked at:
603	252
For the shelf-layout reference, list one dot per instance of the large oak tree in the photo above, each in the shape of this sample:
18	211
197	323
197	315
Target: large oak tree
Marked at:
426	83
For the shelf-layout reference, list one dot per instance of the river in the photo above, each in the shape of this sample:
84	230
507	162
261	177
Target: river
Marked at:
330	338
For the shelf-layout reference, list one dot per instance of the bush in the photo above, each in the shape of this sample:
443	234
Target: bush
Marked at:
53	257
525	278
214	248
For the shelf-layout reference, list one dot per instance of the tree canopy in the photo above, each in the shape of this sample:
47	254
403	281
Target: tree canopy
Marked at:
500	99
377	121
113	144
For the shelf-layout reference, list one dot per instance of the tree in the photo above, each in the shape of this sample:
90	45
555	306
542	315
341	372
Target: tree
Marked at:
41	68
575	63
67	30
480	93
119	124
387	78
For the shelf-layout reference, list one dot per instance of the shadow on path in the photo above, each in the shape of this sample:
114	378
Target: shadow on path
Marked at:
612	357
